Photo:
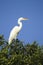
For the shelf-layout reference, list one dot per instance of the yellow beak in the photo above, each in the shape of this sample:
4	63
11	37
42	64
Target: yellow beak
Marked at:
25	18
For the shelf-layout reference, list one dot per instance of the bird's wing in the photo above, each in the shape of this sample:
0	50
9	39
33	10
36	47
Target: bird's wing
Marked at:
14	33
15	30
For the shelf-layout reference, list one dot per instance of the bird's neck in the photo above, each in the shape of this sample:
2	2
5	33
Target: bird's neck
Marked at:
20	24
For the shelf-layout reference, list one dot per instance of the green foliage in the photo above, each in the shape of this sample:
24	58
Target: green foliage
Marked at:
19	54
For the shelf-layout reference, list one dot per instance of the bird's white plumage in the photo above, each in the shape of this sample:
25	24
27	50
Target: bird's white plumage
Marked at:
14	32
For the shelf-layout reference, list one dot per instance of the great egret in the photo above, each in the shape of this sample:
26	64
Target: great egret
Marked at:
14	32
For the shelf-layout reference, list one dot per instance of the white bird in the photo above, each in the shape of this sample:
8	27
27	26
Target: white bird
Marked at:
14	32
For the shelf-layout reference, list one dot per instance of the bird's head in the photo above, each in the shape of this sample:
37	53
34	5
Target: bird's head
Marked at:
21	18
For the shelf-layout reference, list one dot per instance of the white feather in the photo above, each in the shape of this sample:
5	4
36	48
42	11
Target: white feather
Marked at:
14	32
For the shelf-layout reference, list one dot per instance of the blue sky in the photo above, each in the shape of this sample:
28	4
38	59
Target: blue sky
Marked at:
11	10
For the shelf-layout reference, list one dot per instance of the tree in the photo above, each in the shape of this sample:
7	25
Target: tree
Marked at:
19	54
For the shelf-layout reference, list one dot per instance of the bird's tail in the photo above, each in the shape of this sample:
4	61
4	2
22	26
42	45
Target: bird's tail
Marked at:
9	41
